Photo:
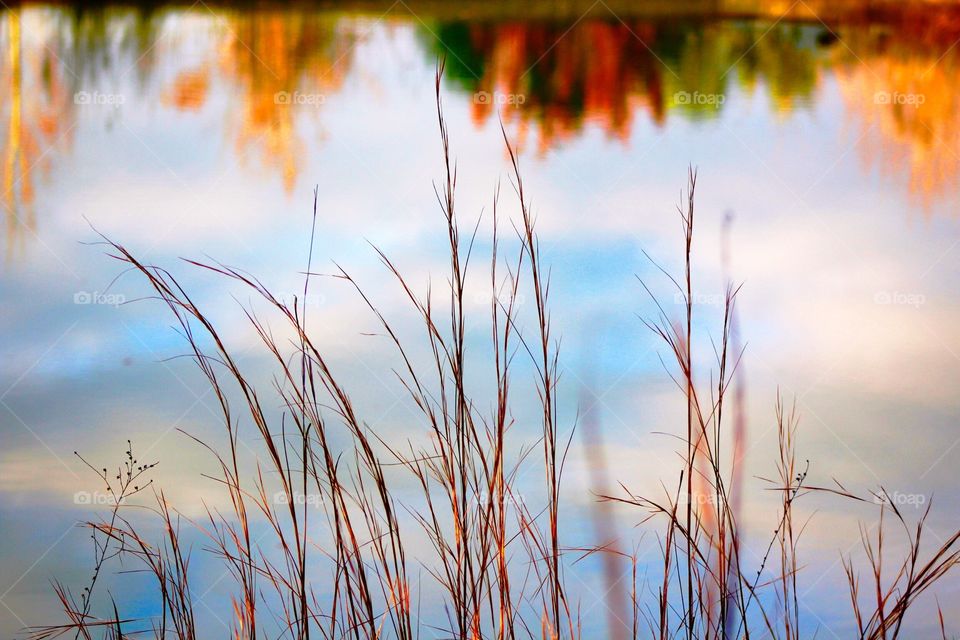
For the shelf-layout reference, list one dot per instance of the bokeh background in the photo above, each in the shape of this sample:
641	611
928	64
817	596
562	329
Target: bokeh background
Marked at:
826	136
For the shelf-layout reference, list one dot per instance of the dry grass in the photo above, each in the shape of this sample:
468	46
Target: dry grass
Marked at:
497	560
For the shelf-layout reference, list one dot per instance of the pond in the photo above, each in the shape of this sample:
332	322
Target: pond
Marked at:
826	143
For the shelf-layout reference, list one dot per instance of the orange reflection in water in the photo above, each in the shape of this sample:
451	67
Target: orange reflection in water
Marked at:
559	78
279	66
190	89
284	68
550	79
898	79
36	112
599	72
902	96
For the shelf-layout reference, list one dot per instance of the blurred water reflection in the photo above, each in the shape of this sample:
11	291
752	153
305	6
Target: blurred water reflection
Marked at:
832	132
896	72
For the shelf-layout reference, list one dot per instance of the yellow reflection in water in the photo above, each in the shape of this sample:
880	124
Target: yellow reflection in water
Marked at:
277	67
904	102
283	66
14	165
36	115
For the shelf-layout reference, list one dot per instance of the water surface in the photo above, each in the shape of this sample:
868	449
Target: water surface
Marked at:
828	137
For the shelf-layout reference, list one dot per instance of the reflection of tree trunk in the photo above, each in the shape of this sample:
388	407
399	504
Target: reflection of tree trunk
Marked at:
14	157
616	598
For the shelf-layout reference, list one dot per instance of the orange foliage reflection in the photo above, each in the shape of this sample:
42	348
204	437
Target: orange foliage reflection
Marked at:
189	90
902	94
283	66
599	73
36	114
604	73
898	79
277	66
